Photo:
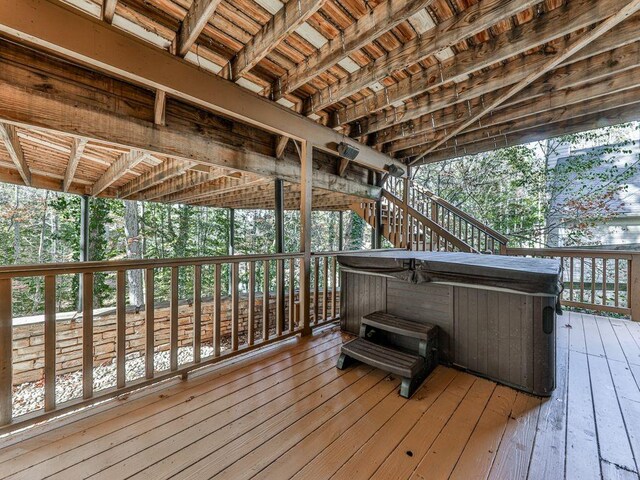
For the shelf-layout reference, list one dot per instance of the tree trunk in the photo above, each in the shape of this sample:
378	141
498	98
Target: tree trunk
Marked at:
132	233
16	228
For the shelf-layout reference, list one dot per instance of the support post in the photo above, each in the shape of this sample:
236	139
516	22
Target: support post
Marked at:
306	172
232	231
279	220
84	241
406	184
634	287
377	230
341	231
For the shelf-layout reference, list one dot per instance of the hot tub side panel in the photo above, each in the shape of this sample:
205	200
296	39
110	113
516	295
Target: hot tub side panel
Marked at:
502	336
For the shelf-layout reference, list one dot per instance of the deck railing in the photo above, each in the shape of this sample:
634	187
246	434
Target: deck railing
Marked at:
243	279
600	280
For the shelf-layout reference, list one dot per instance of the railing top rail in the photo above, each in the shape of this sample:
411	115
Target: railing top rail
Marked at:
575	252
346	252
33	270
481	226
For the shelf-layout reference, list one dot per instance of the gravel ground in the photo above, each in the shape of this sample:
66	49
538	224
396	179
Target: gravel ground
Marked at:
28	397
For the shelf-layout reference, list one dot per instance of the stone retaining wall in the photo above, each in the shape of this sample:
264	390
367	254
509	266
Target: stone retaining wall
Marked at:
28	338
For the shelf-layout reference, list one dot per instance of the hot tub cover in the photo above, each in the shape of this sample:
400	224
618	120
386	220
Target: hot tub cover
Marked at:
528	275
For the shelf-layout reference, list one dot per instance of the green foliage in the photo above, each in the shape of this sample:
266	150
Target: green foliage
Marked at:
517	192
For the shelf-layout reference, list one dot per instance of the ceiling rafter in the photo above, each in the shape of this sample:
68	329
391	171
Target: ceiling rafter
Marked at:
614	116
606	73
293	14
108	10
471	21
575	46
193	24
77	150
9	135
384	17
163	172
539	31
118	168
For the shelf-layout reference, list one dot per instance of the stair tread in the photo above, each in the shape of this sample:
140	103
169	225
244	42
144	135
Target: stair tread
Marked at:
385	358
402	326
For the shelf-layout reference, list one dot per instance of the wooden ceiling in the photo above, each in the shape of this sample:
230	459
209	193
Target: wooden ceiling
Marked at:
420	80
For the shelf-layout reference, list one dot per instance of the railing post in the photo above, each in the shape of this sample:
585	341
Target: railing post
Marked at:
6	352
634	287
306	197
377	230
405	209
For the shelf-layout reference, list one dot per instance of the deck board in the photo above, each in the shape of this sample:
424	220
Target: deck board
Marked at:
289	413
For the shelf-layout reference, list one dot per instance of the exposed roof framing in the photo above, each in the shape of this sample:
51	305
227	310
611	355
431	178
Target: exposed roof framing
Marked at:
549	65
194	22
293	14
77	149
108	10
9	137
413	80
119	53
122	165
387	15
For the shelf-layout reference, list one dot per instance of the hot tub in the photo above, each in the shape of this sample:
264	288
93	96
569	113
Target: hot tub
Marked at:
497	314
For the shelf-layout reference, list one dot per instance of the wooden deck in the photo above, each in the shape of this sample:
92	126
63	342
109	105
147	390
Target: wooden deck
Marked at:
289	413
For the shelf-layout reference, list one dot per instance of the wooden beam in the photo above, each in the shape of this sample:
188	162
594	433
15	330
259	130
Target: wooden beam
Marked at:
281	144
108	10
567	76
117	169
293	14
616	116
9	136
221	186
527	118
77	149
158	174
471	21
384	17
178	184
194	22
184	141
160	107
119	53
564	87
342	168
576	14
575	46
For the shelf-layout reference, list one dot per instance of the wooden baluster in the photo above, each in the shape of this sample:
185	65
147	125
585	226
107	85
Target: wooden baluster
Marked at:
265	303
316	289
6	352
197	313
604	281
121	327
173	319
251	304
292	294
593	280
616	283
334	286
49	343
87	335
149	313
325	287
217	298
234	305
279	296
571	279
582	279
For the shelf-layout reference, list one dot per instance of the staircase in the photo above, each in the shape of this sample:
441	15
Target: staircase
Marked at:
416	219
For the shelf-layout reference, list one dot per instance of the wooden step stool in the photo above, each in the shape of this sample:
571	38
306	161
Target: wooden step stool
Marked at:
412	368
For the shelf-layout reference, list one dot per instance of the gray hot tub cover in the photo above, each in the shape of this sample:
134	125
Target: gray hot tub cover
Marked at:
528	275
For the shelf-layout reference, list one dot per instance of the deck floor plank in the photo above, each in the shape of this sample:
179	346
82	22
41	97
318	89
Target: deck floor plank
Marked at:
289	413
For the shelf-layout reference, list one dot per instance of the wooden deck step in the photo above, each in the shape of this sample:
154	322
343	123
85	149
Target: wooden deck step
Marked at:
384	358
391	323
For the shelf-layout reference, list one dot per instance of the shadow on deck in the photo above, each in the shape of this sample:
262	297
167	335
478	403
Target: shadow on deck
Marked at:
289	413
